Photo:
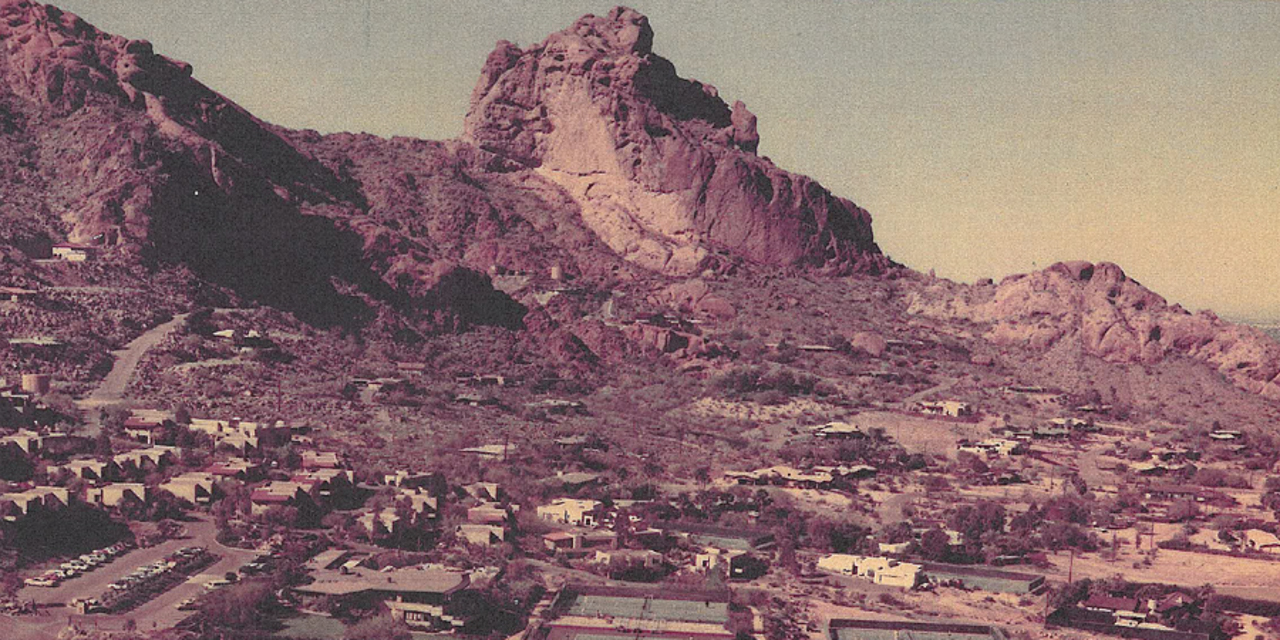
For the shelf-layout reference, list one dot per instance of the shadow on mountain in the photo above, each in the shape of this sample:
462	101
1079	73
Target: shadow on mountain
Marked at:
263	248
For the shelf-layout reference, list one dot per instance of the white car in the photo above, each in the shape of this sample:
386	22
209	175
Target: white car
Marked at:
41	581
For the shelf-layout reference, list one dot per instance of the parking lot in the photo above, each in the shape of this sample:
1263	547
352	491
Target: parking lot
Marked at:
159	613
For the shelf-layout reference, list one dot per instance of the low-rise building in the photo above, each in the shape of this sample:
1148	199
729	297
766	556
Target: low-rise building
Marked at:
571	511
481	534
949	408
879	570
195	487
18	505
116	493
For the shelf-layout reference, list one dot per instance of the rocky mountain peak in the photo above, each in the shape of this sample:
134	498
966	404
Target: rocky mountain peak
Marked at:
664	170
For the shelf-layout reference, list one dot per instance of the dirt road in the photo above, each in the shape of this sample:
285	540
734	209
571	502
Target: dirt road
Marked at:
111	390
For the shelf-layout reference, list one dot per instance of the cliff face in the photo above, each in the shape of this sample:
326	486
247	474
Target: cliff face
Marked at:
1112	317
664	171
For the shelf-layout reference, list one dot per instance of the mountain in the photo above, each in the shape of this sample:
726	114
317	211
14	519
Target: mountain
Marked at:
599	212
1111	316
664	171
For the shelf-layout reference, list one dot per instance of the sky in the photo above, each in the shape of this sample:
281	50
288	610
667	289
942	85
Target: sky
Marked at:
986	138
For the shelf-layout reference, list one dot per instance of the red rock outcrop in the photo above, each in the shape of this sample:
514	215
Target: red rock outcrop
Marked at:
1112	316
665	172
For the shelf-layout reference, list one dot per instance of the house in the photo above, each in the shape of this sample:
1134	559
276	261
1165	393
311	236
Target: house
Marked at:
737	565
15	506
422	616
321	460
93	470
949	408
885	571
859	629
893	549
383	522
575	542
1111	604
982	578
491	451
571	511
484	491
29	442
280	494
573	481
36	384
143	430
488	513
148	459
993	447
194	486
112	495
236	468
647	558
783	475
838	431
72	252
1259	540
422	504
481	534
17	294
430	481
416	594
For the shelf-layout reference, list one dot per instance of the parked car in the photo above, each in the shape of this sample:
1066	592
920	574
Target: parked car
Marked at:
41	581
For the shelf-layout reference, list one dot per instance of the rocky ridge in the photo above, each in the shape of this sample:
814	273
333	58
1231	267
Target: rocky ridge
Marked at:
1112	316
664	171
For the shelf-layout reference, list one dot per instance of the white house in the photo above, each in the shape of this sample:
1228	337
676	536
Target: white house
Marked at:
885	571
571	511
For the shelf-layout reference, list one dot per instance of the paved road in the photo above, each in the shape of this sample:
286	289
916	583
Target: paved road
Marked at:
921	395
111	389
160	613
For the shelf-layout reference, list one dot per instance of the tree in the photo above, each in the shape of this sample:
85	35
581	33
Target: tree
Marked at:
935	545
379	628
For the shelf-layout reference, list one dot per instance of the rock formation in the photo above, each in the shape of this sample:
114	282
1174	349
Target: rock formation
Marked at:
1112	316
665	172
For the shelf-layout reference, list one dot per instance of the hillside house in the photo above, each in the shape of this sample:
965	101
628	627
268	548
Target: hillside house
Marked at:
280	494
379	523
321	460
237	469
879	570
481	534
93	470
194	486
72	252
488	513
145	460
1260	541
571	511
18	505
29	442
18	294
114	494
838	431
948	408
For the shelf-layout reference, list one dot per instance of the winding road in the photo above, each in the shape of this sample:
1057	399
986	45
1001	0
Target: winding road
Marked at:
111	390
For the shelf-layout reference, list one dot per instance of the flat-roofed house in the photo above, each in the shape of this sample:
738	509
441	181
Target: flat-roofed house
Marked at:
195	487
571	511
113	494
481	534
17	505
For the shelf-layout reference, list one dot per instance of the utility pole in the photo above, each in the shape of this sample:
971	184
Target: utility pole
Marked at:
1071	567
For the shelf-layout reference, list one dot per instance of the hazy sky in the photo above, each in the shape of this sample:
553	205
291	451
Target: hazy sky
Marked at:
986	138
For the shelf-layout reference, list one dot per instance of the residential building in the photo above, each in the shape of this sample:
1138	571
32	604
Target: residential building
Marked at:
571	511
113	494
